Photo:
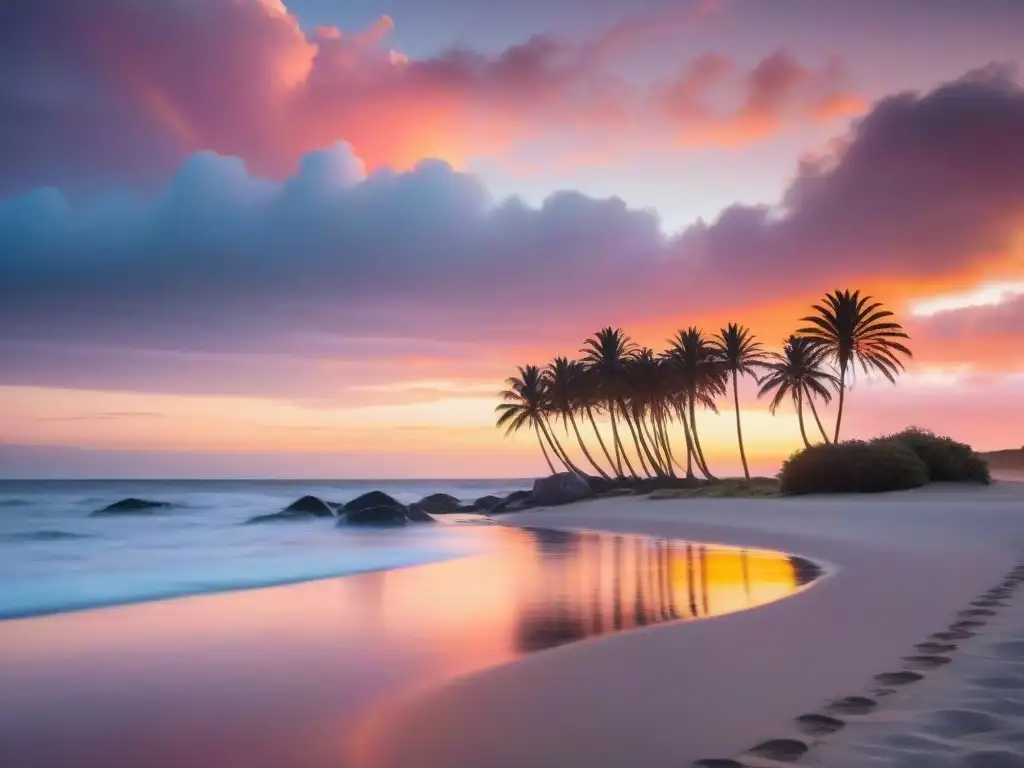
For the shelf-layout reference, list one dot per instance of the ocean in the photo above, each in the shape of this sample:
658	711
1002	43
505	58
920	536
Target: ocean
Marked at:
54	557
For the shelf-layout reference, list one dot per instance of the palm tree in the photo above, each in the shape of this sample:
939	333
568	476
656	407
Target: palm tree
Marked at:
524	406
849	328
741	354
645	381
563	383
700	377
607	354
798	372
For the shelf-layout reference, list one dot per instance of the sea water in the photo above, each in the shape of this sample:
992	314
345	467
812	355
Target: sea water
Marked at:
55	557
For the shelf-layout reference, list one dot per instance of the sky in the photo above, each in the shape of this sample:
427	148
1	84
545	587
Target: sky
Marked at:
258	238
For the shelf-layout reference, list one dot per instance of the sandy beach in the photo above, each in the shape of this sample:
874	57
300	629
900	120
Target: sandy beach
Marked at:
419	666
903	566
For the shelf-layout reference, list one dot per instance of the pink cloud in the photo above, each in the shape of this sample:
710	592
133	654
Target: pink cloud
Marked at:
124	104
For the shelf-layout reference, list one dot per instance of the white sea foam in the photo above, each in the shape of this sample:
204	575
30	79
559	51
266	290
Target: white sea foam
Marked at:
55	557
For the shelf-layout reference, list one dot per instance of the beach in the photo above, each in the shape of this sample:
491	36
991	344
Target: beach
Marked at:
904	565
262	676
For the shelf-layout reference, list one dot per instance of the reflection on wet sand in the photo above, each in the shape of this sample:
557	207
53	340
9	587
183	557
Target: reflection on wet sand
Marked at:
592	584
305	675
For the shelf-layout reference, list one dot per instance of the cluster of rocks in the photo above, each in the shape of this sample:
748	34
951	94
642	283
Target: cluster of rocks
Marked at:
378	508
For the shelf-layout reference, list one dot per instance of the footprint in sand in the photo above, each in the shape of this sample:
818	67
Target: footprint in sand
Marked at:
936	647
819	725
987	603
780	750
977	612
852	705
966	624
953	634
718	762
926	661
903	677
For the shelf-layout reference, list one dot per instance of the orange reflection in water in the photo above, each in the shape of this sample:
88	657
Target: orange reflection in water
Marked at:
305	675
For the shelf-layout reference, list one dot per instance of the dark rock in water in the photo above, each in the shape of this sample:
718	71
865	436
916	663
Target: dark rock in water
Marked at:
439	503
131	506
600	484
337	506
372	499
486	502
562	488
309	505
416	514
382	515
306	508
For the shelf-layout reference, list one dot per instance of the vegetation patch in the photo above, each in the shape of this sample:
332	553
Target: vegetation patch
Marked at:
947	460
853	466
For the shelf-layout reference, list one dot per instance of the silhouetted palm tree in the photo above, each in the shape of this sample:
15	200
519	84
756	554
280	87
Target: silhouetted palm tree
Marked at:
741	354
607	354
798	372
563	381
700	378
524	406
850	328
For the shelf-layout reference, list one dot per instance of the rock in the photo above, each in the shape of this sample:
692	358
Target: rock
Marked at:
131	506
309	505
416	514
515	501
439	503
563	488
381	515
485	502
372	499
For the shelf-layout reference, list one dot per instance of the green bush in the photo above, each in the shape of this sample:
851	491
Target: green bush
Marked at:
853	466
946	459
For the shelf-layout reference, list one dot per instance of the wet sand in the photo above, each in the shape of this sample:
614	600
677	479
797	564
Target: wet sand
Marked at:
906	564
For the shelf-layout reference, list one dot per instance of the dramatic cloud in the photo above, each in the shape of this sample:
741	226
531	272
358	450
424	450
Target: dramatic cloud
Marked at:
224	269
122	91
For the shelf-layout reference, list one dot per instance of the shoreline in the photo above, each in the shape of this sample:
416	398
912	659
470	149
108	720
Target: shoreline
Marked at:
897	567
906	562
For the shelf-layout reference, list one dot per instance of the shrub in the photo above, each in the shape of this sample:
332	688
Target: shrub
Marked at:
946	459
853	466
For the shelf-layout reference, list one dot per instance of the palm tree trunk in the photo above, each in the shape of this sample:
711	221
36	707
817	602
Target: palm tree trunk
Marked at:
636	443
615	438
739	426
579	438
543	449
689	442
559	450
810	402
698	451
658	456
621	451
800	414
600	440
662	434
842	397
646	442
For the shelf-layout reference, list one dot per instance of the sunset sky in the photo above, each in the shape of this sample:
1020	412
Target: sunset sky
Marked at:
244	238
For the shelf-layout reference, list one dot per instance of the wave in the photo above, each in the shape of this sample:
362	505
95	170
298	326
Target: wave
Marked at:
42	535
15	502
